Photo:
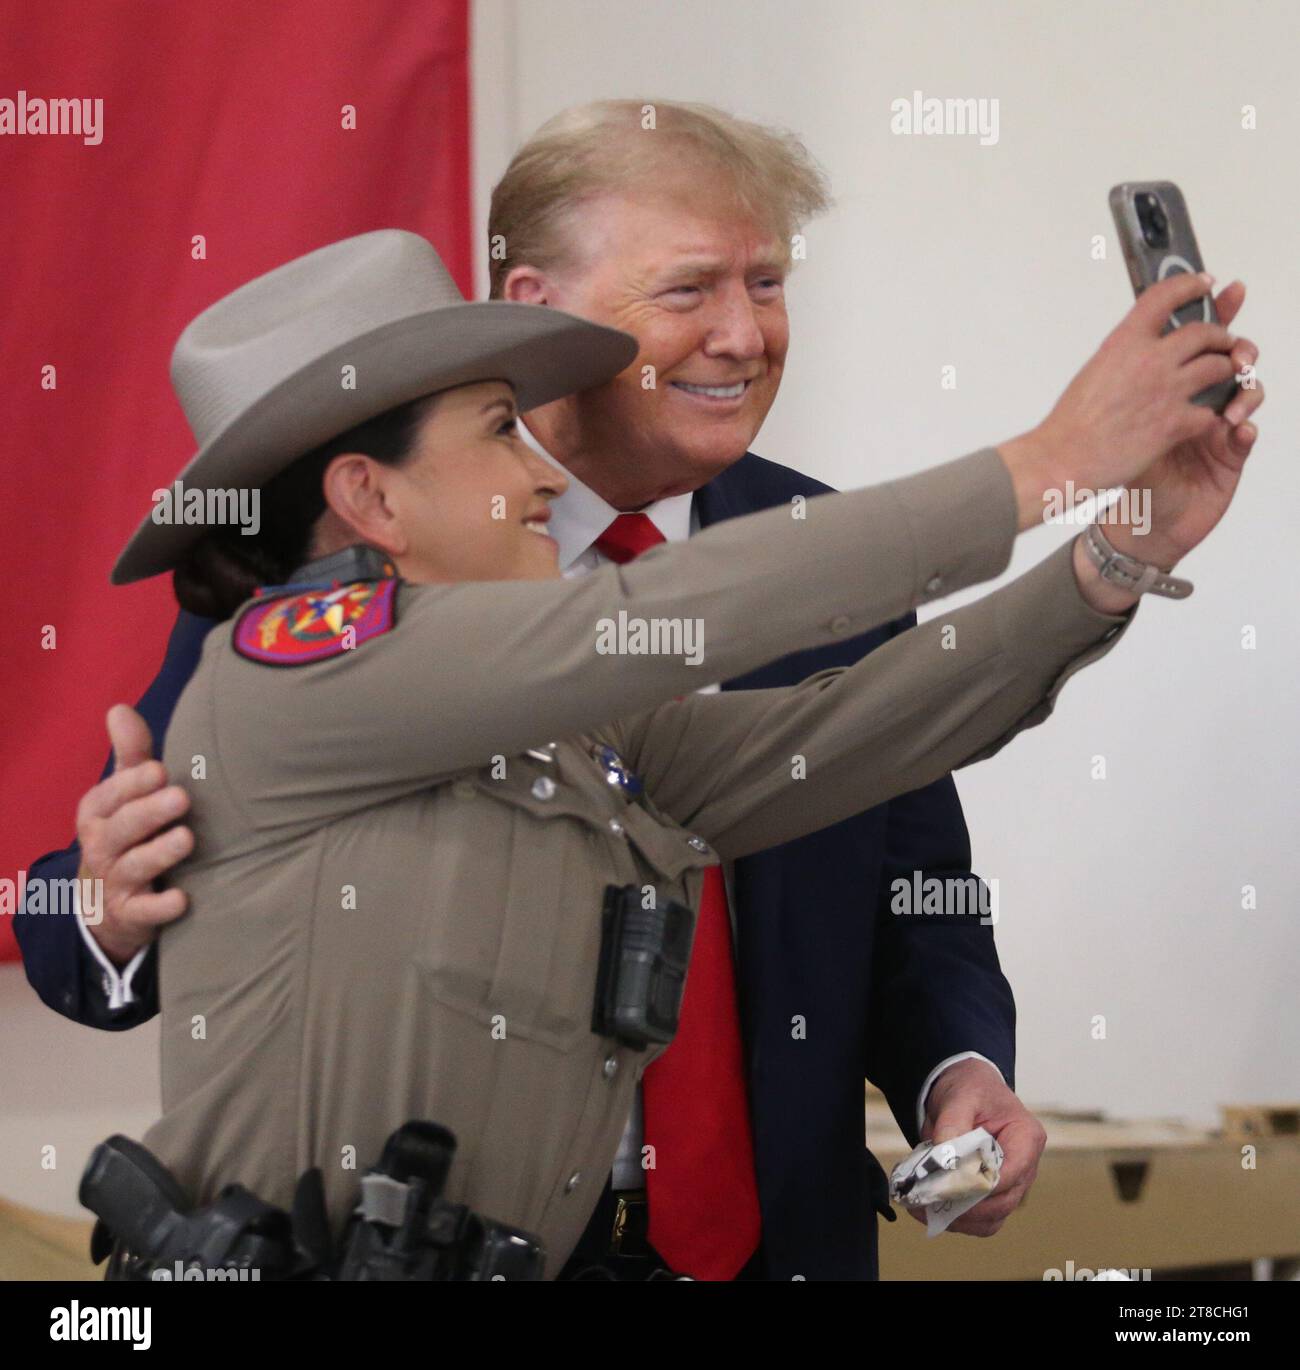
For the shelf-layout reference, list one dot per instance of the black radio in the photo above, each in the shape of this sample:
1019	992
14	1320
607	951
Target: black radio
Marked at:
643	956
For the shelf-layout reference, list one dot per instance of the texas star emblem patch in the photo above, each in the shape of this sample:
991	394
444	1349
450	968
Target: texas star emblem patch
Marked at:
320	623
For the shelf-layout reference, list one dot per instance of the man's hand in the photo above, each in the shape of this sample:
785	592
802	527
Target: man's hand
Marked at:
118	823
972	1094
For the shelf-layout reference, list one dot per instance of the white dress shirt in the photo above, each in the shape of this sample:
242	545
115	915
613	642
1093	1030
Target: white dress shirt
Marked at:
115	983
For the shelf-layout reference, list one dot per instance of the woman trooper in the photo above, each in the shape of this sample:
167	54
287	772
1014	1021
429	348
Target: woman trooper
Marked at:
417	776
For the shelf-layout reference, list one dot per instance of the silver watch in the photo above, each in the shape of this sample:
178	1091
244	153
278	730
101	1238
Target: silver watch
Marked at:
1127	572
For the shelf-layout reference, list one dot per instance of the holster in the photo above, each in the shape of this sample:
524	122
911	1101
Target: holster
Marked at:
402	1228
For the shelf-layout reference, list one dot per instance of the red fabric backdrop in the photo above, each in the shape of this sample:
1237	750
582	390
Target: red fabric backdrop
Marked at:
220	119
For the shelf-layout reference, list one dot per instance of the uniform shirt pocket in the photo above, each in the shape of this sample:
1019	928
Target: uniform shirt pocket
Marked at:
514	939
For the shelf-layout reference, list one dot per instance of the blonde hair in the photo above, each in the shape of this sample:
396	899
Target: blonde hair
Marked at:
615	145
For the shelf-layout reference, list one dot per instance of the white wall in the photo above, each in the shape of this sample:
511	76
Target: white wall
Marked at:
63	1088
1118	897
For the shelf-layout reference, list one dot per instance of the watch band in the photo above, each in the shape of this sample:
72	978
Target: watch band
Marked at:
1137	577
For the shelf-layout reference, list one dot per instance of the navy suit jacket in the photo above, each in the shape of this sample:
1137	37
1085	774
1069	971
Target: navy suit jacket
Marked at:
834	987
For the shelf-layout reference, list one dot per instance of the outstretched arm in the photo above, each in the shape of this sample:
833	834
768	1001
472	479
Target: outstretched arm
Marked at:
474	669
748	769
514	663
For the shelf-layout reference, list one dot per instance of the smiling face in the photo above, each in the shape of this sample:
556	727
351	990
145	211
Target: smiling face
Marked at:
470	502
702	288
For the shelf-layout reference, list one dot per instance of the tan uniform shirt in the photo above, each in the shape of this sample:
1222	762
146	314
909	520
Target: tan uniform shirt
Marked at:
381	929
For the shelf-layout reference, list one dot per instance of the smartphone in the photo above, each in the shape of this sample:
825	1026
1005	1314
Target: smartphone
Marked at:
1155	233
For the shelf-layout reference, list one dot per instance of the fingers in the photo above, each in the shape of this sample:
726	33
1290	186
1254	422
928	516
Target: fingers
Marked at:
1210	369
1241	440
142	818
1244	353
147	912
142	862
1211	354
117	818
130	736
1244	403
984	1220
1227	306
989	1214
976	1223
1022	1141
103	800
1157	302
1194	338
1228	302
118	823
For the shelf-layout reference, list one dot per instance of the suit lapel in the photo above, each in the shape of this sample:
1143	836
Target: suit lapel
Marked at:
723	497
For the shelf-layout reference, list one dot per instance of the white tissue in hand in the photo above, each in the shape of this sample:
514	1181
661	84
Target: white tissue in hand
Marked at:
949	1178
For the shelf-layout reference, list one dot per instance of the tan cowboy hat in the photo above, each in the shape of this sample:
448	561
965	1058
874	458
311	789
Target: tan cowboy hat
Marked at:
331	339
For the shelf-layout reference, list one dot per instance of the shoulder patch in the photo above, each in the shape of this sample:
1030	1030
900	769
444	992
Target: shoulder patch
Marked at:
294	630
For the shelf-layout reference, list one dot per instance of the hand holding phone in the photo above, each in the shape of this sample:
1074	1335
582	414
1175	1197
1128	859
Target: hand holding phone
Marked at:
1155	234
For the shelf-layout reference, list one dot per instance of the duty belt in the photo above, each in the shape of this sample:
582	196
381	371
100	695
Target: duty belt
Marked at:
402	1229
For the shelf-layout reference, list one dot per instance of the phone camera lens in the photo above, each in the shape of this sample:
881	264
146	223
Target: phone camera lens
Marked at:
1152	220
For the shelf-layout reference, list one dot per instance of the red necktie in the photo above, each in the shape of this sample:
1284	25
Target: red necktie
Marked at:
702	1192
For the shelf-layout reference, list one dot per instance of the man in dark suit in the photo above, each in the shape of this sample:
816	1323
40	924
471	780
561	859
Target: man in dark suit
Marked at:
675	245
